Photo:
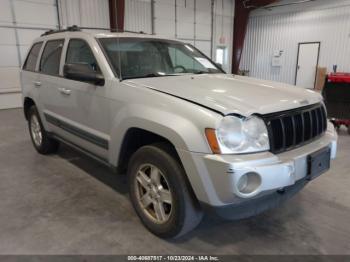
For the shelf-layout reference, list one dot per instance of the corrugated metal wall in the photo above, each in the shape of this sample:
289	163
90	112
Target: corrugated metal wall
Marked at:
138	16
89	13
283	31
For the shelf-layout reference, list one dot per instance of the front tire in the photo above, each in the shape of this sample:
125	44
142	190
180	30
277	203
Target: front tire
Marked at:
40	138
160	192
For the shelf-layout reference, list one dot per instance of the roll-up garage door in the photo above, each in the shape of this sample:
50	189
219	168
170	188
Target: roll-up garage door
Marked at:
21	21
187	20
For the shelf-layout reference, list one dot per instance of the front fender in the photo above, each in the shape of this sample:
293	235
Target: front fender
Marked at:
182	132
185	132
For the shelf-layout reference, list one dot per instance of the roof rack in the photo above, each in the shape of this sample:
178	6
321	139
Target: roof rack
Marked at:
75	28
113	30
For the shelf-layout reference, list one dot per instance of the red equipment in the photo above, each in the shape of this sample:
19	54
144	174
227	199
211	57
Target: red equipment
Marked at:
339	77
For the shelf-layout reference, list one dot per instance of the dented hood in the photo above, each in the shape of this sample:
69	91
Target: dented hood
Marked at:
232	94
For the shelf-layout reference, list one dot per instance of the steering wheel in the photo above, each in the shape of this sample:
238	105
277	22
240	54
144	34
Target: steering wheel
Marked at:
180	67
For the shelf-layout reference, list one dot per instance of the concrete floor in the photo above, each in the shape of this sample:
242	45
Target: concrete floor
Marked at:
68	204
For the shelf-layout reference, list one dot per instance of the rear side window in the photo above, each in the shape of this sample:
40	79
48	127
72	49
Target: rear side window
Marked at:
32	57
50	59
79	52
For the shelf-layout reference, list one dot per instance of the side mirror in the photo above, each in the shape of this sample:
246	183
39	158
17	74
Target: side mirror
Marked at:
84	73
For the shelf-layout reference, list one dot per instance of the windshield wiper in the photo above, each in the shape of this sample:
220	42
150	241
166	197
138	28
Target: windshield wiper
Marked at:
152	75
145	76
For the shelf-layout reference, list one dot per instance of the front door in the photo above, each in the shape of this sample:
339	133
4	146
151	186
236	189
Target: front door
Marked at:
49	81
85	106
307	63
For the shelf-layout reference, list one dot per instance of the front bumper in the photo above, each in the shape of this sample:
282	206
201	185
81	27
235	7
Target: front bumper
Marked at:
214	178
254	206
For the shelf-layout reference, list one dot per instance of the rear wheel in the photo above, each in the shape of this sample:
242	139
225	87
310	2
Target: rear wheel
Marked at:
160	192
40	138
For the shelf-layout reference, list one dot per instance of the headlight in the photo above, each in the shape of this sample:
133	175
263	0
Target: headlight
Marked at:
242	135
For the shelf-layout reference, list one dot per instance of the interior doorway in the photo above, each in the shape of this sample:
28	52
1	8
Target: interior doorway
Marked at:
307	62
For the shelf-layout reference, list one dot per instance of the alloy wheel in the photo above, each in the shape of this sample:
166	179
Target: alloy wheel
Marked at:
35	130
153	193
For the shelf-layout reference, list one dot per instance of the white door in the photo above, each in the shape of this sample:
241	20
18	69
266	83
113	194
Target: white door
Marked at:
307	64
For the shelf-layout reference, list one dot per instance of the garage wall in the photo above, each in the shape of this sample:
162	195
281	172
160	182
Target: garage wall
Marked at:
186	20
205	24
283	28
223	30
20	23
85	13
138	16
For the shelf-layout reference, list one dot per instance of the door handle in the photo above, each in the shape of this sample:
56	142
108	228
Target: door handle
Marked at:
37	83
65	91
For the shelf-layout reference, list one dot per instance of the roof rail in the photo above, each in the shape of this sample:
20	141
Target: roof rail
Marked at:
114	30
73	28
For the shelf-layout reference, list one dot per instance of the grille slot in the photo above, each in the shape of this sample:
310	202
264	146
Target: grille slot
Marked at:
294	128
299	129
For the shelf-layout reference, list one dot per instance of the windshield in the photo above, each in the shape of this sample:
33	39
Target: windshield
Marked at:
144	57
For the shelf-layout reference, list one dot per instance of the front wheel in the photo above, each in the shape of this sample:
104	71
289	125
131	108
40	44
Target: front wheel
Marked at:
160	192
40	139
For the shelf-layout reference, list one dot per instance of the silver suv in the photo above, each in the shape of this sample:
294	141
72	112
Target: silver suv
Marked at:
190	137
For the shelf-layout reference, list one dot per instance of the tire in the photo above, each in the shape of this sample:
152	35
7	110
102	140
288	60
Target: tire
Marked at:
44	145
184	212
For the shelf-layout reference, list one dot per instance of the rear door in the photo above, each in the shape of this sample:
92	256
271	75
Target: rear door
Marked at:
29	75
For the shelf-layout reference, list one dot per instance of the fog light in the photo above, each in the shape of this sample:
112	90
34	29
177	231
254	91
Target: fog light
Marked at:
248	183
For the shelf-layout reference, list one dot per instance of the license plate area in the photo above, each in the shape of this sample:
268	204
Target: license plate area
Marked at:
318	163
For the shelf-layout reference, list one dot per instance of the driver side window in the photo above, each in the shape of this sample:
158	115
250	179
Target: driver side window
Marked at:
79	52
